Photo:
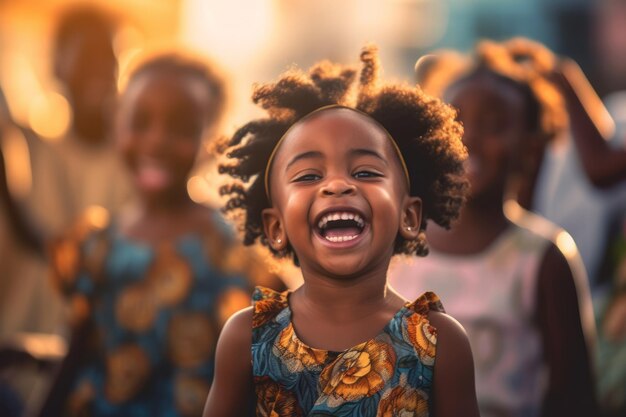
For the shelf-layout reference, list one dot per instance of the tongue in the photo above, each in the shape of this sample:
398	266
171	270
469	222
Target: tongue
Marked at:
152	178
342	231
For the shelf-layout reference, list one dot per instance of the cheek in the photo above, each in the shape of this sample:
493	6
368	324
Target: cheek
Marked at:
185	151
295	207
386	203
498	148
126	145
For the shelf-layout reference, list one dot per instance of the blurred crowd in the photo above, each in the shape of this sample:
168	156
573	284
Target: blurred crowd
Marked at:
116	278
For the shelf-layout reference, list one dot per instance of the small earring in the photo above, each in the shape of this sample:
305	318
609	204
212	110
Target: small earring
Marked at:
279	241
409	228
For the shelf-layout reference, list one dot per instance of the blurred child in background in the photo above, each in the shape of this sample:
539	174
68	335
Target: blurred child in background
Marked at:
151	288
525	306
86	68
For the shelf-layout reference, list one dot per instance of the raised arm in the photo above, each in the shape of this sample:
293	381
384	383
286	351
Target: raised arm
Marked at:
23	229
232	391
591	126
454	392
571	384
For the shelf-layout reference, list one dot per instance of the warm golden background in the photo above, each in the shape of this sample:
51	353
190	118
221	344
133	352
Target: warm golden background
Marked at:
254	40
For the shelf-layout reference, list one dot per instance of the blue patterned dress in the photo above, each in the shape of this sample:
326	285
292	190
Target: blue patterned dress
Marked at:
156	310
390	374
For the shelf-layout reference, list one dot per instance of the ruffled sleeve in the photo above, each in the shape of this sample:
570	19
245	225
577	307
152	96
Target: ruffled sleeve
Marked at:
267	304
429	301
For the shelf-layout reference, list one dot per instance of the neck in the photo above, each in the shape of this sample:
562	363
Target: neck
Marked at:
162	206
482	210
522	180
338	296
523	190
481	221
90	132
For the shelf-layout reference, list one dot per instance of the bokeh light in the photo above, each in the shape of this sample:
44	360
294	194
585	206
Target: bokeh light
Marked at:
49	115
17	162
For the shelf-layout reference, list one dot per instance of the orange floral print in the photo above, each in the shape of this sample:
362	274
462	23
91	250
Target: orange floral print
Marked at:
295	355
358	372
170	276
274	401
423	337
266	309
128	368
190	395
403	401
191	339
136	308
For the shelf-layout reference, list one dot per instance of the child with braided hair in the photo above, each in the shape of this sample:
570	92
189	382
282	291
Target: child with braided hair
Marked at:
514	280
341	176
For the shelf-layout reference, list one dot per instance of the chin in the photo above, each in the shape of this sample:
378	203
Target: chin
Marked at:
344	269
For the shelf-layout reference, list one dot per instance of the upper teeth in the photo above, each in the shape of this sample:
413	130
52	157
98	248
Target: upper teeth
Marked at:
344	215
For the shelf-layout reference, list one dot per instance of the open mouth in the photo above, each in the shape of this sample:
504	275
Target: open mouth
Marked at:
340	226
152	174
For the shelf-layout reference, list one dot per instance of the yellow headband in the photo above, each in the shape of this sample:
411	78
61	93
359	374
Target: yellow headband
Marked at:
332	106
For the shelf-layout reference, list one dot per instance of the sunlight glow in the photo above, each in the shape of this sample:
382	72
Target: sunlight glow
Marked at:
17	163
49	115
198	189
566	244
232	30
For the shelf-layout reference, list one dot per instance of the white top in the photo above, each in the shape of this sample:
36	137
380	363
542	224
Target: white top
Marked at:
492	294
565	196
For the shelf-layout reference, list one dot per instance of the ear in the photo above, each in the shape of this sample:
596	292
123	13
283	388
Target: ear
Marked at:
411	219
274	230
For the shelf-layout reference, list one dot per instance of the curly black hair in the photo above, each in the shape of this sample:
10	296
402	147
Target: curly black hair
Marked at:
519	62
425	129
190	66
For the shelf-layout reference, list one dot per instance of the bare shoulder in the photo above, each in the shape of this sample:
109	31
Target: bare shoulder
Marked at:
447	326
453	347
231	394
562	282
238	329
565	313
454	369
555	265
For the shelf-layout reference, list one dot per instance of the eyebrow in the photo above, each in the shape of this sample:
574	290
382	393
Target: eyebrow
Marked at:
368	152
353	152
304	155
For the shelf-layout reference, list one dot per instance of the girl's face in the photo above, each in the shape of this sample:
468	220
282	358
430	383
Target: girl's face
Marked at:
88	68
339	195
159	130
493	115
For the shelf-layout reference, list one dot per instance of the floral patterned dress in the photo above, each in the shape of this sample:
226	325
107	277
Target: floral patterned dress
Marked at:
156	312
388	375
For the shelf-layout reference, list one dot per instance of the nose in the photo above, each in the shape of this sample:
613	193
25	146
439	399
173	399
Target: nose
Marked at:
338	186
156	139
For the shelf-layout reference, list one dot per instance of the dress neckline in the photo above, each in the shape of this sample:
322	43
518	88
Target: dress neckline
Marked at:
406	308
